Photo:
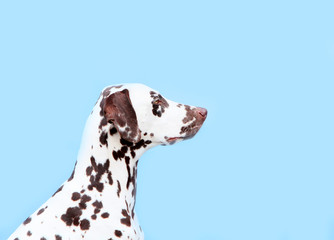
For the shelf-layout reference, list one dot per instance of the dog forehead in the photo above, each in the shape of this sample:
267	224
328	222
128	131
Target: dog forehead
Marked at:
136	90
139	91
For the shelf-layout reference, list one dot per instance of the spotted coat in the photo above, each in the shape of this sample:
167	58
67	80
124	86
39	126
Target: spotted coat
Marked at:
98	200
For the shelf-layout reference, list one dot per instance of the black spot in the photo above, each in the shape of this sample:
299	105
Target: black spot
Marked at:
43	238
28	220
59	189
126	221
124	149
114	154
133	154
72	215
138	145
104	138
58	237
93	162
120	154
110	178
76	196
76	221
113	131
84	224
118	233
126	143
105	215
118	188
29	233
127	161
93	217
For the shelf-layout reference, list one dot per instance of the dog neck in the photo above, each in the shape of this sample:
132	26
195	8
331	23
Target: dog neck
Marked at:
106	168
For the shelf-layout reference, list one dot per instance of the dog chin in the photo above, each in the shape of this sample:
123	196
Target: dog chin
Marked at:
172	140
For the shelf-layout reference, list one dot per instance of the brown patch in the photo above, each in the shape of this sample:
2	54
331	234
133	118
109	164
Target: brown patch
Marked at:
59	189
105	215
72	175
190	115
119	110
58	237
127	220
193	121
159	104
40	211
103	122
84	224
104	138
85	198
71	216
27	221
97	204
89	170
93	162
131	177
29	233
93	217
75	196
95	183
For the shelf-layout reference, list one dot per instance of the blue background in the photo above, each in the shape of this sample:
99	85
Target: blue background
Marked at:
262	165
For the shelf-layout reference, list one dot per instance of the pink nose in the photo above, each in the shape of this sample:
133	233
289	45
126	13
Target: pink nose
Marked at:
202	112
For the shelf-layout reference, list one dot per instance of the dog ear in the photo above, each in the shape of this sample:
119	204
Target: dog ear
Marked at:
119	110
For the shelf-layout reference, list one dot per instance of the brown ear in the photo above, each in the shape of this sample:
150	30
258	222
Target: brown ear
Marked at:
118	109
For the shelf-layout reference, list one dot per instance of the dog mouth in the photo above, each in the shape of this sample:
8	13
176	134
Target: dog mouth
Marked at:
190	132
173	140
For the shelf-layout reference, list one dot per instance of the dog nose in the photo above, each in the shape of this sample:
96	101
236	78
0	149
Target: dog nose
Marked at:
202	112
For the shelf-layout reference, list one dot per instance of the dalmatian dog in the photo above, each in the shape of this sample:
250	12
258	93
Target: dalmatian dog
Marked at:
97	202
